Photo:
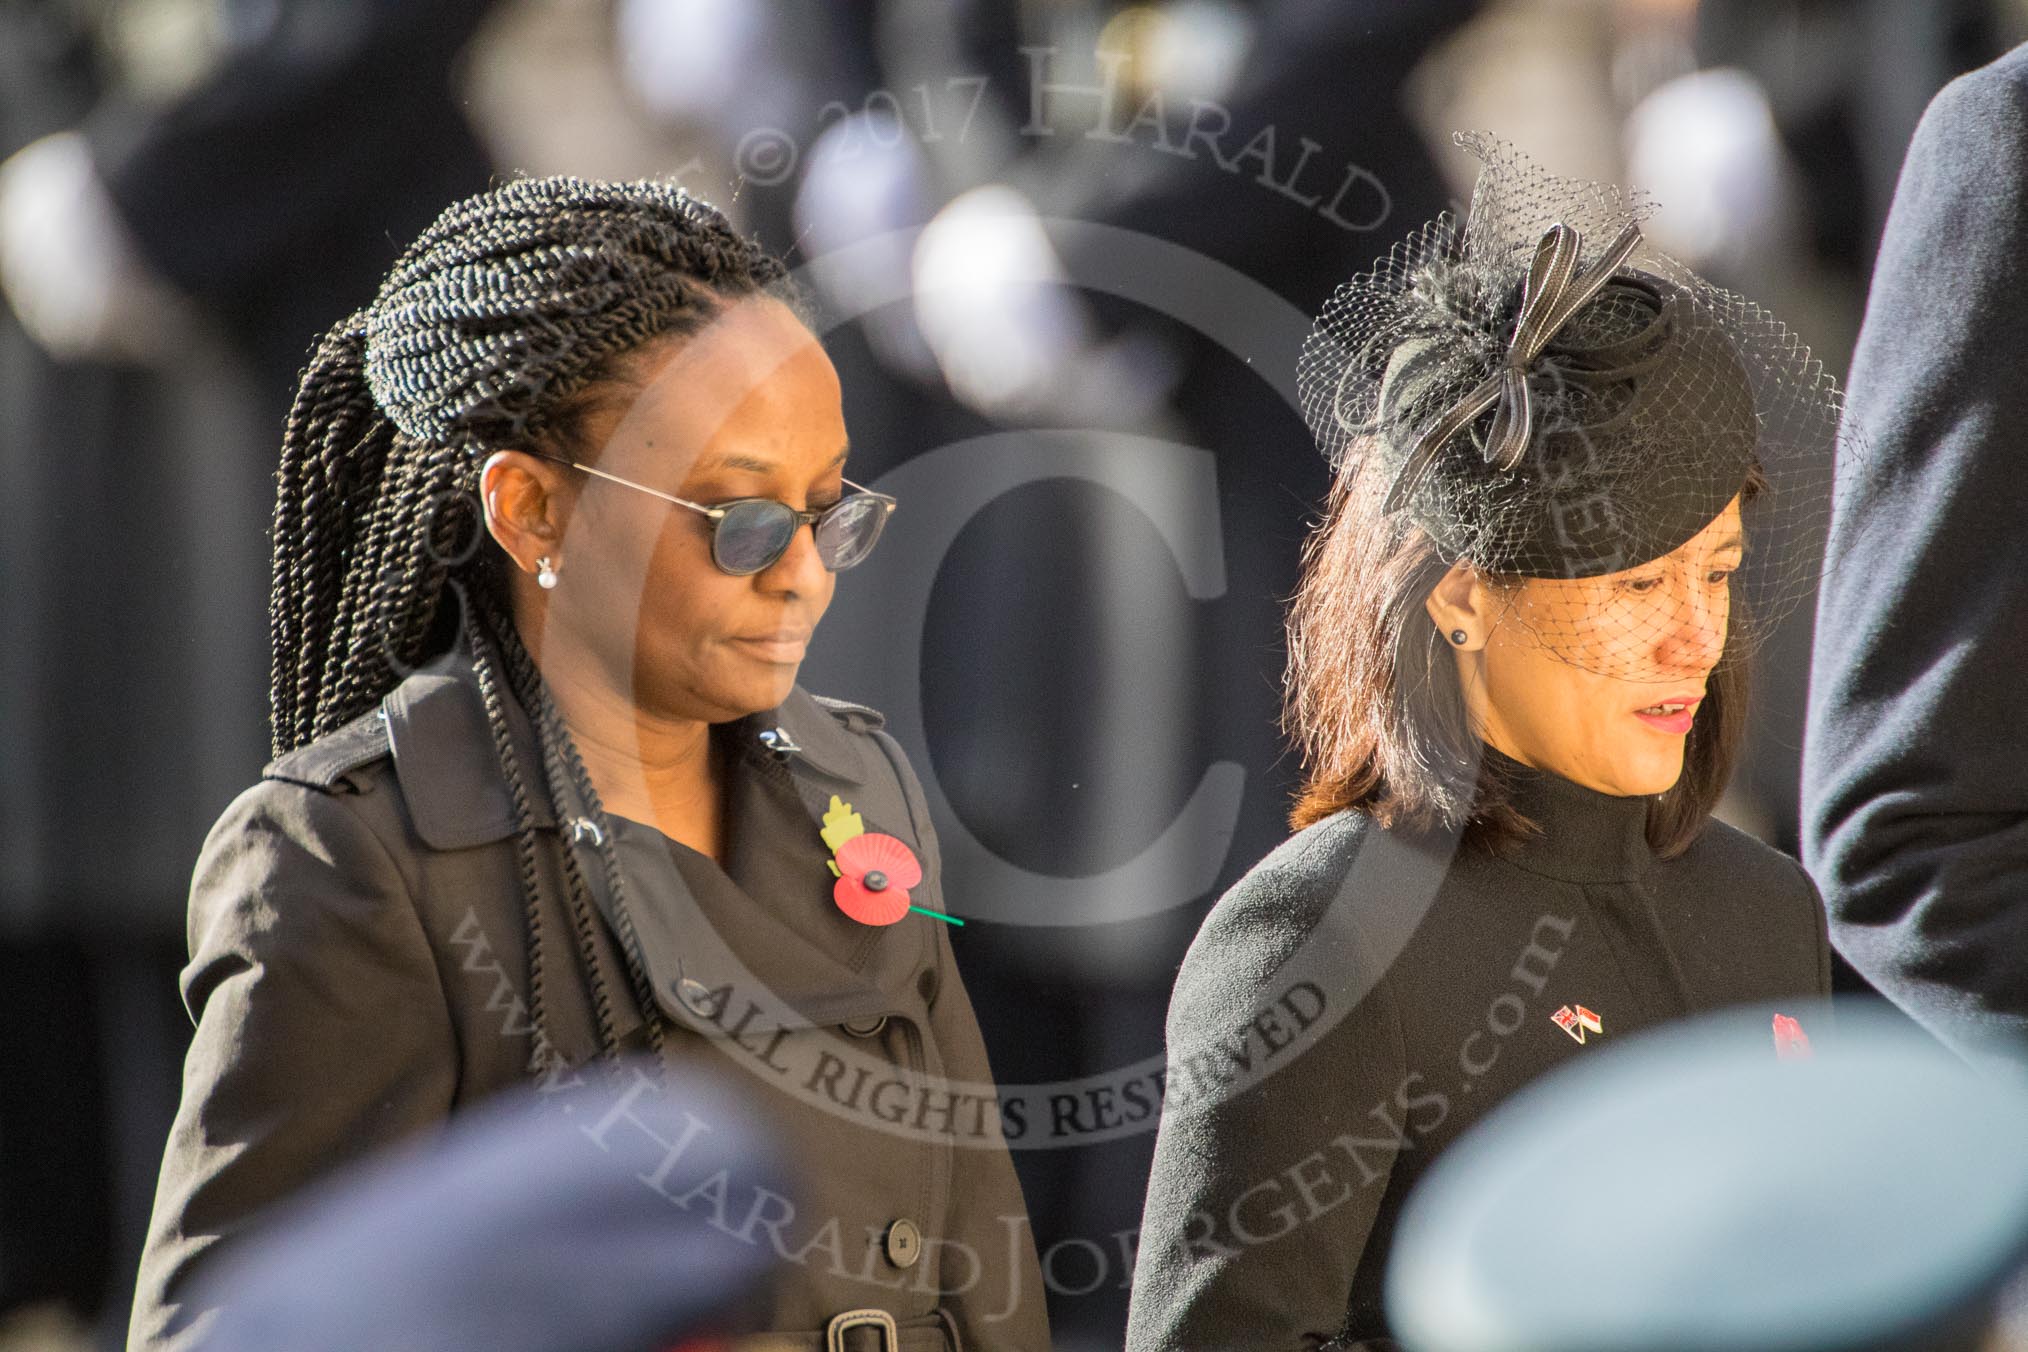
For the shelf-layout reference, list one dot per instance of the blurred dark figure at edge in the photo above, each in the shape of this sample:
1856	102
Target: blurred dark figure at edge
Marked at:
1915	771
270	193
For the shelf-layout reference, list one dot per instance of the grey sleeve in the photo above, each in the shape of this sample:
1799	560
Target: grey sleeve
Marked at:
321	1031
1915	811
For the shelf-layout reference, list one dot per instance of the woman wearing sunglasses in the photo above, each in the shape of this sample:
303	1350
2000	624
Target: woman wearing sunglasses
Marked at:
557	516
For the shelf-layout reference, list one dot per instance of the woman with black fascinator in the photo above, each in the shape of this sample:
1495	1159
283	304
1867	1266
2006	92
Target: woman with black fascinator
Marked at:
1568	471
556	516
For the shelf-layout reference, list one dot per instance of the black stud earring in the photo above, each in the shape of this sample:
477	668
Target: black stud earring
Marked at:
1458	636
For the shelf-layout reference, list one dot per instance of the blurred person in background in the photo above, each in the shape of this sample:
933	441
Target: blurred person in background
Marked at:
1916	795
558	513
1844	83
1518	673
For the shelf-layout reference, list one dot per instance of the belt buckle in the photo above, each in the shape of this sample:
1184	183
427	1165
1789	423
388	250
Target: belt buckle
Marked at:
834	1332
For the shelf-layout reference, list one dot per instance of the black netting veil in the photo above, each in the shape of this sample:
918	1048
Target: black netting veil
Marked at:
1552	400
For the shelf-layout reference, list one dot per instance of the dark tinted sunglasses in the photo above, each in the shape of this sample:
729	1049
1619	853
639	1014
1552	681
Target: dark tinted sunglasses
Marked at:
749	534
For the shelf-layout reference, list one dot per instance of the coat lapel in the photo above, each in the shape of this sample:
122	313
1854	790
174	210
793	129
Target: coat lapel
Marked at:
458	798
444	757
765	924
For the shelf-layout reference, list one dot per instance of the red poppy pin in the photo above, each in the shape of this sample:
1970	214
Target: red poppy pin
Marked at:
875	871
1791	1042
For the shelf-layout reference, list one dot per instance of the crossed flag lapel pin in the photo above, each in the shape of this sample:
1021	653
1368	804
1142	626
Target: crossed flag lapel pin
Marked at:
1577	1021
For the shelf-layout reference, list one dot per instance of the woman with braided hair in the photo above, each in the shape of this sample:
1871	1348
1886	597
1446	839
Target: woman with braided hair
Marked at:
546	790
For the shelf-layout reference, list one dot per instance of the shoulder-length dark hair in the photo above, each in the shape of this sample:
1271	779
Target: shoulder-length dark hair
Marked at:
1374	704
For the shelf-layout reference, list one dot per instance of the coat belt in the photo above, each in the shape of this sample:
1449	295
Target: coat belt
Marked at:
932	1333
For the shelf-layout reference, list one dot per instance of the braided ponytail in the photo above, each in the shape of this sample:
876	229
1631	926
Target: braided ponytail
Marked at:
493	331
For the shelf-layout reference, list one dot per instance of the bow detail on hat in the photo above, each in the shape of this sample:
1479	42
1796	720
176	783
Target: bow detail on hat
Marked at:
1555	290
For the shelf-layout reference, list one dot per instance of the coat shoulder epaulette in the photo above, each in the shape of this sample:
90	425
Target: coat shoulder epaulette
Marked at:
322	763
856	717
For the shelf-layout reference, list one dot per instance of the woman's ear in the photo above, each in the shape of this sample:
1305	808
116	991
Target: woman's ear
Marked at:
527	503
1461	607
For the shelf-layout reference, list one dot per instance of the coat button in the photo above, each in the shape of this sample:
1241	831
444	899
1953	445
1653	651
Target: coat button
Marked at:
697	998
904	1243
866	1027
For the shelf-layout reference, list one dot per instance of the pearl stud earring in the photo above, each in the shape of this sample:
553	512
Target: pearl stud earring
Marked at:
1458	636
545	573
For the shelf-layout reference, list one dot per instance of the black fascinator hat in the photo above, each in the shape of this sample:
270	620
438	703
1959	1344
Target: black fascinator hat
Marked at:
1547	396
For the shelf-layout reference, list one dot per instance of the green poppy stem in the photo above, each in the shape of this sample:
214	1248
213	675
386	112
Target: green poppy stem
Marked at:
947	919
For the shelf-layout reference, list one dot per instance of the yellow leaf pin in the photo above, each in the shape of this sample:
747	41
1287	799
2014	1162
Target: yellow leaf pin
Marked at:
841	824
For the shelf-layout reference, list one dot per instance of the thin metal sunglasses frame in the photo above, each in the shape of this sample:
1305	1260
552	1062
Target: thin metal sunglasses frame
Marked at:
803	517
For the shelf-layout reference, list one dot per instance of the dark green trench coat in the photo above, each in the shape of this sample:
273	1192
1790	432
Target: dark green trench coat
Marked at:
358	973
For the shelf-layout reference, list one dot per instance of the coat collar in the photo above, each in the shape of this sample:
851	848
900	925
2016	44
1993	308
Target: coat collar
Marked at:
1583	835
449	769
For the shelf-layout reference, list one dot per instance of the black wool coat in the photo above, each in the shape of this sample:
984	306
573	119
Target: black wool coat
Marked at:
1915	767
1363	996
358	973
